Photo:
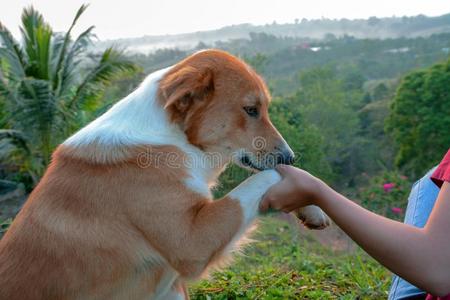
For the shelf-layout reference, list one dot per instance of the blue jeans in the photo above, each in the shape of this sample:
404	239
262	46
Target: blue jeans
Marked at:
420	203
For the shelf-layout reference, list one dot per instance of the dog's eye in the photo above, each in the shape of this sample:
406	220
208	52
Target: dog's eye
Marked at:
252	111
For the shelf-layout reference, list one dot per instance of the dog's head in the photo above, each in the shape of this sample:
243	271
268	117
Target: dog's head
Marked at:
222	106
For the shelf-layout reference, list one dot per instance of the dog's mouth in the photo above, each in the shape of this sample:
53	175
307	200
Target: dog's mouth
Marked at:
246	161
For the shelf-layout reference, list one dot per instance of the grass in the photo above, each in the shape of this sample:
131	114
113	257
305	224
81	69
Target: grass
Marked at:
285	263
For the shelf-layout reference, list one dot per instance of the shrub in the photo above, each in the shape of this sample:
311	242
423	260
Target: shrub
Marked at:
386	194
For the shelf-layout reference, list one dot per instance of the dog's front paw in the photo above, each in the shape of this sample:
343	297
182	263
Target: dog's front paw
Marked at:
313	217
250	192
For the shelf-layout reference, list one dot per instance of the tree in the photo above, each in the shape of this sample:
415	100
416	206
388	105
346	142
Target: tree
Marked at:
258	62
328	104
305	139
419	121
373	21
50	84
380	92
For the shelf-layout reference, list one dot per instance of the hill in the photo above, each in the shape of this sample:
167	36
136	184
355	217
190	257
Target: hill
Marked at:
372	28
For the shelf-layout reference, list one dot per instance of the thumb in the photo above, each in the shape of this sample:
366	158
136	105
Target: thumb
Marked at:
271	196
283	170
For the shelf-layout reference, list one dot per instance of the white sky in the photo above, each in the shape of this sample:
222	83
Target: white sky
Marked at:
134	18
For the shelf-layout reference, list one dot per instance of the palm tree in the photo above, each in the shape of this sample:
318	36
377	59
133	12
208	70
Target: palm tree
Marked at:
50	85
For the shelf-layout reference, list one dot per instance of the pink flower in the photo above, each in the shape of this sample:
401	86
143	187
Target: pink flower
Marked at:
397	210
388	187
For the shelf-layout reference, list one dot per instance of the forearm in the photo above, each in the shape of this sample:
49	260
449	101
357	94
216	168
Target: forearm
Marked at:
405	250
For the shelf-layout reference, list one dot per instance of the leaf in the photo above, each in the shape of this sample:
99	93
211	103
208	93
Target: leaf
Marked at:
70	69
111	64
10	52
15	137
37	35
63	56
36	114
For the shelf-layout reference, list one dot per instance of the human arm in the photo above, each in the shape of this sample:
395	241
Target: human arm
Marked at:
421	256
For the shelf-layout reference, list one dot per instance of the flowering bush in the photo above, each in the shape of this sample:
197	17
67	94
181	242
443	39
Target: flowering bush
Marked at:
386	194
388	186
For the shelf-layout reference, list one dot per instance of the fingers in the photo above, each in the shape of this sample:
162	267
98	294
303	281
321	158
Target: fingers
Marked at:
279	196
269	203
264	205
282	169
269	198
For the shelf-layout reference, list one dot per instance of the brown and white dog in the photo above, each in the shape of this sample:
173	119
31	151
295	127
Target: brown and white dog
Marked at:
125	211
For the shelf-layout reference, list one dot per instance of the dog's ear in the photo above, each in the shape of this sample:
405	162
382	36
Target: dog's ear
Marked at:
181	87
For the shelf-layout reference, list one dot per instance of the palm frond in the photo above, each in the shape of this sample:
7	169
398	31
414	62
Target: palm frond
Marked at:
11	53
70	70
8	91
15	138
36	113
111	65
38	105
37	36
63	57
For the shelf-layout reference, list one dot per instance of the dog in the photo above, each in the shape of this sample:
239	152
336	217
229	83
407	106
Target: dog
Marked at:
125	210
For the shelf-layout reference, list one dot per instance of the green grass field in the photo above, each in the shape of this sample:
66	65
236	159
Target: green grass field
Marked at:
288	263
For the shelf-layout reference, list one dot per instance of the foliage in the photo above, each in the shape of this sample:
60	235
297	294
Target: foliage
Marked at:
305	139
50	84
286	264
386	194
4	224
258	62
420	118
322	124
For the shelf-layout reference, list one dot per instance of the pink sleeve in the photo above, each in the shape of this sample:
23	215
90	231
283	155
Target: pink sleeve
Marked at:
442	173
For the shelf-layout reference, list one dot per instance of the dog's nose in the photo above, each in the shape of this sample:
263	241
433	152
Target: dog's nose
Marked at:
286	158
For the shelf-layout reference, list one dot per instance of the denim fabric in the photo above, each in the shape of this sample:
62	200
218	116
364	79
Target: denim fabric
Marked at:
420	203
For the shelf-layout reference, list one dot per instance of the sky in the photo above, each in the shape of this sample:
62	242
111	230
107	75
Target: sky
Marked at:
135	18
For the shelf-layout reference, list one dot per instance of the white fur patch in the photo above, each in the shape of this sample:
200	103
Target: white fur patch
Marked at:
135	120
250	192
164	289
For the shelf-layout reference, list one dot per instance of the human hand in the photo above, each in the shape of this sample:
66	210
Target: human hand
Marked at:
297	189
